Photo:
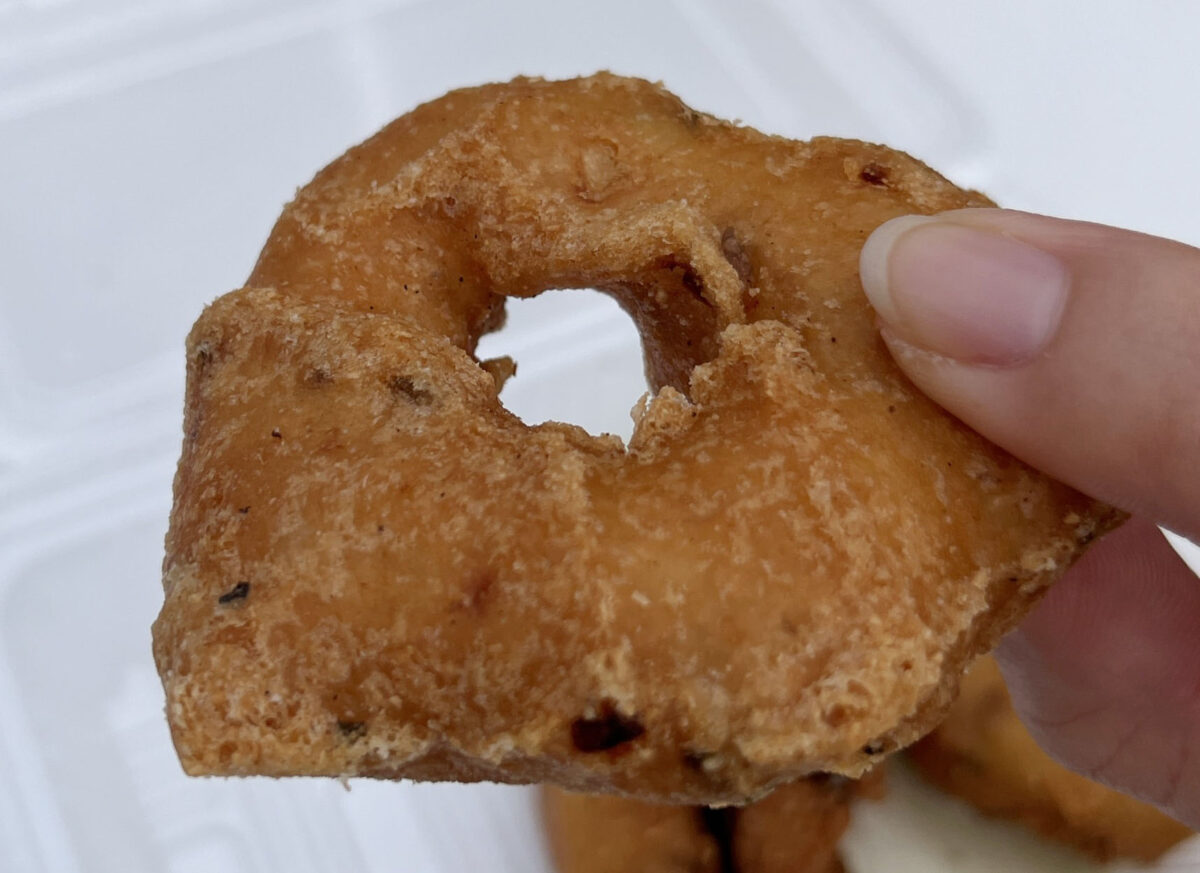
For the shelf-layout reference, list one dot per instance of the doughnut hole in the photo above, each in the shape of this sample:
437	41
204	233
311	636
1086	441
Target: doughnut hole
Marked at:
578	360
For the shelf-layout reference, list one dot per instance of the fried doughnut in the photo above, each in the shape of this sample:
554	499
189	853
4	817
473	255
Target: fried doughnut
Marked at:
795	829
374	569
983	754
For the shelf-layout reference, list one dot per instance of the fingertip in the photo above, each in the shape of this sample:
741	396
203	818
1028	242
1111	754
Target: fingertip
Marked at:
1105	672
1057	340
873	263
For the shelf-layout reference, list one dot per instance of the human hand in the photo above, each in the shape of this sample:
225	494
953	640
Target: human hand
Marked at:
1076	347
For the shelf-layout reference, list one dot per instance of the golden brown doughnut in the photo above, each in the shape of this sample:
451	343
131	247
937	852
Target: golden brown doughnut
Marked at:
795	829
590	833
374	569
983	753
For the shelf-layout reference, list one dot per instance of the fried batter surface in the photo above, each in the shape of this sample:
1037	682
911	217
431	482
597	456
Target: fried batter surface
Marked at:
795	829
985	755
606	834
375	569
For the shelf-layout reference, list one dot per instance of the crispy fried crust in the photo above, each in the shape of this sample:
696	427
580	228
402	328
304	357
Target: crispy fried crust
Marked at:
795	829
606	834
983	754
374	569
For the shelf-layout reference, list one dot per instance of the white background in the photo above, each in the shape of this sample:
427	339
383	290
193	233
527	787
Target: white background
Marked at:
146	147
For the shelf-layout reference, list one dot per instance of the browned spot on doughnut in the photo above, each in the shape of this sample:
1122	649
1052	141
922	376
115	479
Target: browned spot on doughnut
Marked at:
203	356
240	591
477	592
317	377
606	730
874	174
695	760
687	275
731	247
836	716
403	388
694	283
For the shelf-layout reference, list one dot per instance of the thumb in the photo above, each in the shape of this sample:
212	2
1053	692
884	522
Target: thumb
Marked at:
1077	348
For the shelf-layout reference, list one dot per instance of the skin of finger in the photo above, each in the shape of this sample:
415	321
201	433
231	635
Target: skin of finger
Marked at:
1112	404
1106	671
